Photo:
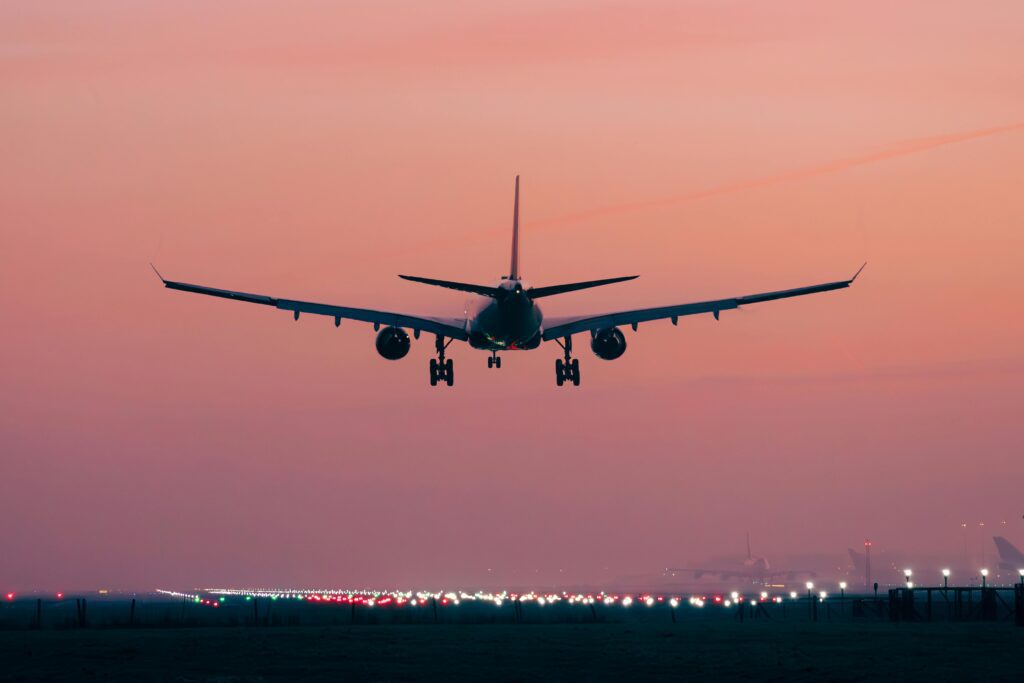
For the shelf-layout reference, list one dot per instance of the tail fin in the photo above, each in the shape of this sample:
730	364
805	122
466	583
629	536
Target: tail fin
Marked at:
857	559
1007	550
513	273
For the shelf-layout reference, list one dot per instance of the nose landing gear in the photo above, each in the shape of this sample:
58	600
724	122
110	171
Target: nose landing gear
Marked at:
441	370
494	361
569	368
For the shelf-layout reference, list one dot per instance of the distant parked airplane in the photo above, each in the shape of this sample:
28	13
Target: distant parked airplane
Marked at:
1009	556
506	317
753	568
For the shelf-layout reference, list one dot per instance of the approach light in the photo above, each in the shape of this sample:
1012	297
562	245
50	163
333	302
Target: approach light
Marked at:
810	585
908	573
984	572
945	572
842	585
792	595
823	595
1021	572
734	595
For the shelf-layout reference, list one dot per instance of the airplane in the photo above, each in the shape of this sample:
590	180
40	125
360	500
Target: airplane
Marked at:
506	317
757	569
1009	556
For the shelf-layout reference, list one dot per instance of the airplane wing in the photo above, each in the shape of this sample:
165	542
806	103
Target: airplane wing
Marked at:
563	327
454	328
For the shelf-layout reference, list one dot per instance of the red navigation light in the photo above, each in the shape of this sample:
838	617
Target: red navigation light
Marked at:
10	596
444	601
60	596
718	598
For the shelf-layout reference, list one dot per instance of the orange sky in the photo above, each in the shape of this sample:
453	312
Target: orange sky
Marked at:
314	150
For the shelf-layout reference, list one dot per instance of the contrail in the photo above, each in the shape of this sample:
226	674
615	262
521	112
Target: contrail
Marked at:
896	150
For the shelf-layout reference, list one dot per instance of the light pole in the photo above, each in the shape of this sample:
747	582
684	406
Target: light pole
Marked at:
984	578
907	573
945	579
1021	572
810	598
842	596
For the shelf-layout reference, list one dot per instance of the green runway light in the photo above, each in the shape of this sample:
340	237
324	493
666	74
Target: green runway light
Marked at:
248	598
222	599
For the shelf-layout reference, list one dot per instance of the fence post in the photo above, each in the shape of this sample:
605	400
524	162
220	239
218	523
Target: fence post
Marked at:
894	611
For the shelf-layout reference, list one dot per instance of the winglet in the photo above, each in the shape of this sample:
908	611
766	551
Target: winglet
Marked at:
157	273
857	273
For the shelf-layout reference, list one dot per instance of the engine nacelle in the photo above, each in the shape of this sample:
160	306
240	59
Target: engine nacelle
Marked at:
608	344
393	343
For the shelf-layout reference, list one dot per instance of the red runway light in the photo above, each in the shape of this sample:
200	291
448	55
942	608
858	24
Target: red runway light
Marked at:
10	596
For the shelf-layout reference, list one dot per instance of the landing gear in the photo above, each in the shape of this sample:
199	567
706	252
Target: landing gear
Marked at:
494	361
569	368
441	370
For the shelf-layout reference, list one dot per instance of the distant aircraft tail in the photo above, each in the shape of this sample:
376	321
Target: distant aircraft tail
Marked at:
857	559
1009	555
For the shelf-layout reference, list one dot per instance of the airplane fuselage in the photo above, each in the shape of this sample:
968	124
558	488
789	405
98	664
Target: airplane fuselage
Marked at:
510	321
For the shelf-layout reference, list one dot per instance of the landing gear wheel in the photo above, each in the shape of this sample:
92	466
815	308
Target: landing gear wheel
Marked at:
490	363
440	368
497	362
569	367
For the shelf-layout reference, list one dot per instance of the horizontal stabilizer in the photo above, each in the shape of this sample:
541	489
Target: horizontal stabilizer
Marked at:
538	292
482	290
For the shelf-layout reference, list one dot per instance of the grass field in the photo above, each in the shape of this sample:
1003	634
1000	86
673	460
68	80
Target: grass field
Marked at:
698	650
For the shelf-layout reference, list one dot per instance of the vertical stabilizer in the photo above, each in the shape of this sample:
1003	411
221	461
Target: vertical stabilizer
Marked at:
514	269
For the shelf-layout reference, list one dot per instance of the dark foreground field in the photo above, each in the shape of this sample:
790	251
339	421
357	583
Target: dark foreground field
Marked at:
715	650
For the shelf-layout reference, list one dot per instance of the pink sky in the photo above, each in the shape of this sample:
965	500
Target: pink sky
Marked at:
313	150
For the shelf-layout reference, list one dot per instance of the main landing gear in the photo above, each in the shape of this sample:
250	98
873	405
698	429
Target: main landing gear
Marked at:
494	361
569	368
441	370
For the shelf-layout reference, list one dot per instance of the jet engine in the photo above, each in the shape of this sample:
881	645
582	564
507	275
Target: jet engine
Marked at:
393	343
608	344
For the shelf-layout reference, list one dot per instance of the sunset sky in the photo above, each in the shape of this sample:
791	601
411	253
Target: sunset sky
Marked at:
316	149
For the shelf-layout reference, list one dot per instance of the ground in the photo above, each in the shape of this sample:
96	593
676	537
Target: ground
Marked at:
515	652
